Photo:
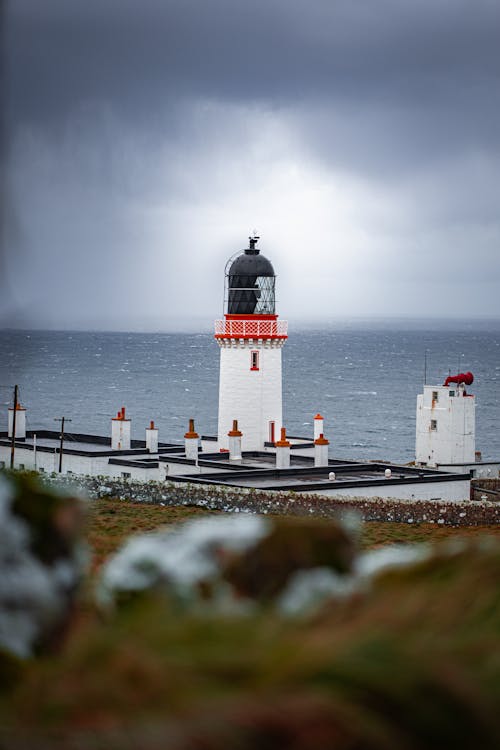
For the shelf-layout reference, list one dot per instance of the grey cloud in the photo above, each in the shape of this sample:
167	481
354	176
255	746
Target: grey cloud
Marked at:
62	54
378	87
131	124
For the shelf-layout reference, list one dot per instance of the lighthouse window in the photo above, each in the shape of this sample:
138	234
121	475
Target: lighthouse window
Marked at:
254	360
434	424
435	395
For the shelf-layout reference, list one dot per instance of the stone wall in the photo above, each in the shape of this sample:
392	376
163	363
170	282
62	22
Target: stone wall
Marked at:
485	487
230	499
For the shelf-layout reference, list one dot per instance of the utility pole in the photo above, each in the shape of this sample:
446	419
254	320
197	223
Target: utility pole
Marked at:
62	420
13	443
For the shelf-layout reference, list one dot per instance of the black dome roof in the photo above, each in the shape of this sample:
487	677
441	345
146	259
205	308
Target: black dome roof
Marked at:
251	263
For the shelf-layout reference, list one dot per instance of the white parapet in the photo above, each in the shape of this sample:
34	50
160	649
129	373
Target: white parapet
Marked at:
283	451
120	432
321	451
152	438
20	422
191	442
445	429
319	426
234	436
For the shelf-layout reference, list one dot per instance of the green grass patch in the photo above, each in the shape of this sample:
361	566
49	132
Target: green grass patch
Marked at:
112	521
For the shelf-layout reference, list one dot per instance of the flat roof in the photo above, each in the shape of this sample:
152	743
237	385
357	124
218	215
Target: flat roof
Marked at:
347	475
257	469
82	444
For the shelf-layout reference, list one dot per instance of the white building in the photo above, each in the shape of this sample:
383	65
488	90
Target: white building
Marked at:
295	464
250	338
446	431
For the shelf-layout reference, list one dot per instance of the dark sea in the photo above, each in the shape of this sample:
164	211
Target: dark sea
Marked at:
363	378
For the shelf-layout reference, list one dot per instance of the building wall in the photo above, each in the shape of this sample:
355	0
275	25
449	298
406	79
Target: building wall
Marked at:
479	470
445	430
253	397
447	491
48	462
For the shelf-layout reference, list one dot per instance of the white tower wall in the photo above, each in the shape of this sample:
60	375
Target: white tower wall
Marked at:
445	430
252	396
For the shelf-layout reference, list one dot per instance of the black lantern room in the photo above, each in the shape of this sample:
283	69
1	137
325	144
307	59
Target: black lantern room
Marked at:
250	283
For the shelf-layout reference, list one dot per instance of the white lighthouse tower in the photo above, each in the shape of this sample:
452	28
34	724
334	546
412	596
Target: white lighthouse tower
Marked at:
250	338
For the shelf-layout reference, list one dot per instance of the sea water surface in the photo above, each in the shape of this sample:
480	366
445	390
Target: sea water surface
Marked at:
364	380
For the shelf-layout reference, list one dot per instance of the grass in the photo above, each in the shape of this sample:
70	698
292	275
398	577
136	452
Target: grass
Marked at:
112	521
412	662
376	534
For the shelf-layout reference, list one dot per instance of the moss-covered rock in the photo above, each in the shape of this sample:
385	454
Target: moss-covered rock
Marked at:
226	558
41	563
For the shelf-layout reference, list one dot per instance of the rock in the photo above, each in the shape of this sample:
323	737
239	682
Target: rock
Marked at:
41	561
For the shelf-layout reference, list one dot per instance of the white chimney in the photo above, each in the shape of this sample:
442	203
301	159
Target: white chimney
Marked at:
152	438
318	426
283	451
234	436
120	432
321	451
20	422
191	440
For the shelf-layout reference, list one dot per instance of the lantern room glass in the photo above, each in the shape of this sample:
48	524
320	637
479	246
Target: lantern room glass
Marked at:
250	295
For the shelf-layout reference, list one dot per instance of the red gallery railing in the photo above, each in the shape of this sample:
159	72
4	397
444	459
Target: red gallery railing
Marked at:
251	329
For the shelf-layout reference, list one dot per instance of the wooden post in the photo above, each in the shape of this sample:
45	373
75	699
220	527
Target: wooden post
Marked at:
13	443
62	420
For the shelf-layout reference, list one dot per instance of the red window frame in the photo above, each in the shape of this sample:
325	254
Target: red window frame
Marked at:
254	359
272	436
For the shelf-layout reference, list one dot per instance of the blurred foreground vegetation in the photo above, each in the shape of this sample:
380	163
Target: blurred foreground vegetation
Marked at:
410	661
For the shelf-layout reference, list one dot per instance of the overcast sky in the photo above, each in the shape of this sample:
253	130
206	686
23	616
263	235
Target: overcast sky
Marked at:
145	139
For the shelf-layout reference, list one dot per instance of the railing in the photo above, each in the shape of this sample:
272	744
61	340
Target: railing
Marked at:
251	329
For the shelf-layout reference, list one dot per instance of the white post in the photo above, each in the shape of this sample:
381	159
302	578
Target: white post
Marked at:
321	451
191	439
234	436
318	426
152	438
283	451
34	451
20	422
120	432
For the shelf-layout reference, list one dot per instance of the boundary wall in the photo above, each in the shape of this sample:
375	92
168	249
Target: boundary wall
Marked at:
237	500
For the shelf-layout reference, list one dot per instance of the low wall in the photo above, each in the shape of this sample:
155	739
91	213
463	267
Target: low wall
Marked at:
230	499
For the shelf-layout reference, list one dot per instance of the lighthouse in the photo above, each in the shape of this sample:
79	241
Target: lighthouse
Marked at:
250	338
